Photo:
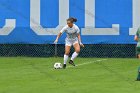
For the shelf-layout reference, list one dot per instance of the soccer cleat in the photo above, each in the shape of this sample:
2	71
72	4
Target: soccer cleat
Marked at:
64	66
71	62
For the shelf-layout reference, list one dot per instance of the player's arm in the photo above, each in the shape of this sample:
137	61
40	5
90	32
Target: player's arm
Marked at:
59	35
57	38
136	38
79	39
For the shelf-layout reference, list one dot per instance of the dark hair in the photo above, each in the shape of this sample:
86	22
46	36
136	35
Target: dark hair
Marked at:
72	20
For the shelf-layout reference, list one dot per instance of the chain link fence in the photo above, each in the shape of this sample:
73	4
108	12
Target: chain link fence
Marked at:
51	50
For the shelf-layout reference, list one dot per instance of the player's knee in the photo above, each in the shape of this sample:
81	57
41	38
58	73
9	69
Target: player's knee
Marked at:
77	50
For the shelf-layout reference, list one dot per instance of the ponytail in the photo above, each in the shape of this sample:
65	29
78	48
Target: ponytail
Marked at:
74	19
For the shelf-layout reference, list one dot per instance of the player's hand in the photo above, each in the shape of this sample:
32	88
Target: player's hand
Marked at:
82	45
56	41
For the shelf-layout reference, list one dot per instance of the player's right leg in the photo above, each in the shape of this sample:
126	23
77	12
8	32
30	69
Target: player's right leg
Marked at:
66	55
67	51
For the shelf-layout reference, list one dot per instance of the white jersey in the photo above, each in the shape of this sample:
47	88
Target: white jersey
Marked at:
71	32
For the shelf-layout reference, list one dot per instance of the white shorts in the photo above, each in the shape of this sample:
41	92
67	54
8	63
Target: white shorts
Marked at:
71	42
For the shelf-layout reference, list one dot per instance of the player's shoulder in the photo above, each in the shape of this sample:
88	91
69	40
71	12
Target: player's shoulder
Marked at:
138	31
65	27
75	26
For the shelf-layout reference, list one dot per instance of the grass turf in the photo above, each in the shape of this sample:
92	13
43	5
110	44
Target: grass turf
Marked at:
36	75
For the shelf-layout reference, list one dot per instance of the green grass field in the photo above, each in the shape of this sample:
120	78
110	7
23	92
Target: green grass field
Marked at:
36	75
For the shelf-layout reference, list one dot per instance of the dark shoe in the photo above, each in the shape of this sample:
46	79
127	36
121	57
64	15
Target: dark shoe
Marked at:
71	62
64	66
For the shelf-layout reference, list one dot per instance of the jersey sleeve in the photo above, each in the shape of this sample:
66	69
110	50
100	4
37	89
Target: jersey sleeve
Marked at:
78	30
63	29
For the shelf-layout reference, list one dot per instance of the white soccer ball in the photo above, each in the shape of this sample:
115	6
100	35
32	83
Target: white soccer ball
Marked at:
57	65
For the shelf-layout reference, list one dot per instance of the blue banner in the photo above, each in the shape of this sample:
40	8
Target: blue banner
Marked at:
39	21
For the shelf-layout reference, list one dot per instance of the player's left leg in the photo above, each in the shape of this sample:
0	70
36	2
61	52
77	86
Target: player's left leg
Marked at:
76	53
138	52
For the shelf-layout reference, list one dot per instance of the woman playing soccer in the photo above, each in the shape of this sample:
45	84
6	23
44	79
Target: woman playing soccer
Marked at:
73	39
137	38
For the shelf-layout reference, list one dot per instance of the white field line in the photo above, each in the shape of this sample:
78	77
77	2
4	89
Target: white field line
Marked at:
86	63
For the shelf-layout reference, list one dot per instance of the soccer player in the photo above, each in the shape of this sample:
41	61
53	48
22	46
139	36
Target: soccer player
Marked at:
73	39
137	38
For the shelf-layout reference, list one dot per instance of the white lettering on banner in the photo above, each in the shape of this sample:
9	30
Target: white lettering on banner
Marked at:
89	29
136	17
10	25
35	18
89	19
90	22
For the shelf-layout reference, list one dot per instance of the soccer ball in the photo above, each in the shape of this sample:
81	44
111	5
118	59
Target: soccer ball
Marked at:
57	65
